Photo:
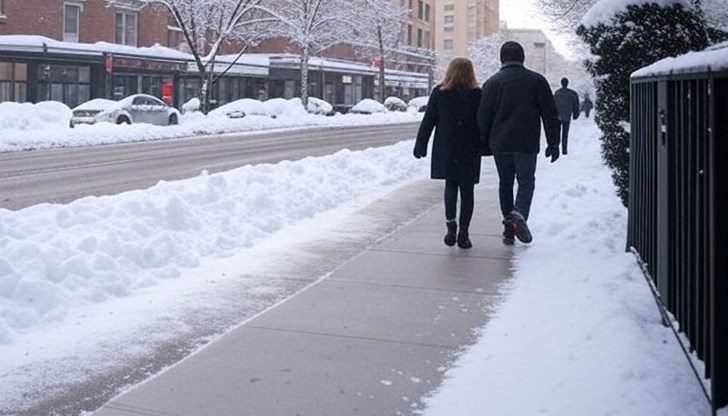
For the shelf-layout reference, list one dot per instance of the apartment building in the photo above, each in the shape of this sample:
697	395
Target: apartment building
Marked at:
460	22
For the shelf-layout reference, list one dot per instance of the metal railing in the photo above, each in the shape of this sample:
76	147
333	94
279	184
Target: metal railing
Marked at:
678	208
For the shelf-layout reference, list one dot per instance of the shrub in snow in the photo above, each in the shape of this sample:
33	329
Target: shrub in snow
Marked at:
28	116
630	39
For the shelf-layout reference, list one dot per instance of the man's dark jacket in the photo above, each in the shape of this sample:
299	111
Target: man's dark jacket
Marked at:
567	104
456	146
513	104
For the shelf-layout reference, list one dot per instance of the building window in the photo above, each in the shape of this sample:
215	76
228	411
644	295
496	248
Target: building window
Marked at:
427	12
448	21
13	82
420	38
449	7
409	35
2	11
126	28
420	10
427	39
71	19
448	44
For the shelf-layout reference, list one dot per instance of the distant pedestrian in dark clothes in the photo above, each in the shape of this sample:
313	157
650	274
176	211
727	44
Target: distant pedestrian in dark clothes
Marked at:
567	104
514	103
586	105
456	147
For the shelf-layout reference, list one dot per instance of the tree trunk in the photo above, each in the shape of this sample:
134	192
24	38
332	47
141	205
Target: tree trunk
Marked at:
382	85
304	76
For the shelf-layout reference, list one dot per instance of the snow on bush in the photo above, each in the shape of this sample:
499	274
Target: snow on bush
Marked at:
632	38
28	116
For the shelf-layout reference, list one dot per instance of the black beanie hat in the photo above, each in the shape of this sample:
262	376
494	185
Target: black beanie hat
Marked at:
512	52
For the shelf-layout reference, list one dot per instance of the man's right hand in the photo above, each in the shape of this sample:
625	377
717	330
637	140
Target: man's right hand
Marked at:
552	152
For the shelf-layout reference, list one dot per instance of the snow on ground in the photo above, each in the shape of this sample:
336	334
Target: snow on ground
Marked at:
46	124
577	334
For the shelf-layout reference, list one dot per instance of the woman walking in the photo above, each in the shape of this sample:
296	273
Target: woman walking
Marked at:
456	148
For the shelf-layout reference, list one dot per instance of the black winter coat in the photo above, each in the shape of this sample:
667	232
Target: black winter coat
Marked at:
514	103
567	104
456	148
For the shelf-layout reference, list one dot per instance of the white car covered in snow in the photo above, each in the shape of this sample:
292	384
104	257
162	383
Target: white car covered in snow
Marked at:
418	104
137	108
368	106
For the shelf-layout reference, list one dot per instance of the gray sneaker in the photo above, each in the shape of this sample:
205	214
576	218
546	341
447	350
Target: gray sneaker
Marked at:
522	232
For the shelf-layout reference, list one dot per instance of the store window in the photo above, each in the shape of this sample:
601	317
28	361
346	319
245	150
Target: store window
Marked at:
13	82
68	84
71	19
126	28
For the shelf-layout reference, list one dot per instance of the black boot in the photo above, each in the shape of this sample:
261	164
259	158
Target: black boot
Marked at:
464	239
522	231
509	232
452	229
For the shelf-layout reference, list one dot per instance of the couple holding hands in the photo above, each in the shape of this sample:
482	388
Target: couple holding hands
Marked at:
502	119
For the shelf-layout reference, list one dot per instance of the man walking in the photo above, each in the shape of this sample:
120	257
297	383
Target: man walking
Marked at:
567	104
514	103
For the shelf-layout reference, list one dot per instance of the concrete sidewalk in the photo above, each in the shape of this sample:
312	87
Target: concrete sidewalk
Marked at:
372	338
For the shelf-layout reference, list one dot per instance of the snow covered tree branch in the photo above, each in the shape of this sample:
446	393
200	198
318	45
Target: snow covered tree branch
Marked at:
312	26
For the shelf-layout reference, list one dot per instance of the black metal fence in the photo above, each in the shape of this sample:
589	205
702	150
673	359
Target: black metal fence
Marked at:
678	207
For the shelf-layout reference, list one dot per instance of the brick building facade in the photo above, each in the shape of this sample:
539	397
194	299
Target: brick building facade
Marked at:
50	70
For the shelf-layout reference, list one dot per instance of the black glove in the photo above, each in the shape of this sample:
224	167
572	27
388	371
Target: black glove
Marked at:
553	152
420	153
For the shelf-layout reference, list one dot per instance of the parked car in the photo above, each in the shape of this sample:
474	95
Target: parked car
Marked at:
137	108
418	104
395	104
319	106
241	108
368	106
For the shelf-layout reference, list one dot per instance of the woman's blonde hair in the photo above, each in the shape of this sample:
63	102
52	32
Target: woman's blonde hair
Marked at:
460	75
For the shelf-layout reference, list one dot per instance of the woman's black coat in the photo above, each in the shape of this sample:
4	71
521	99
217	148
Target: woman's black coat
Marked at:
456	148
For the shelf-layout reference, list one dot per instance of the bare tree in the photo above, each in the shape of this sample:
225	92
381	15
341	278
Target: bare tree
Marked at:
206	26
312	26
378	29
485	54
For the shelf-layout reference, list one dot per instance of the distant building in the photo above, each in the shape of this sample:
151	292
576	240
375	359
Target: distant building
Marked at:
460	22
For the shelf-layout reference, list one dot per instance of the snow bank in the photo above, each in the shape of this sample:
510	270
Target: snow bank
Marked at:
57	257
27	116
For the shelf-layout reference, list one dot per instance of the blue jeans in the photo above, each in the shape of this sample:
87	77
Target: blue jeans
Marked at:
516	166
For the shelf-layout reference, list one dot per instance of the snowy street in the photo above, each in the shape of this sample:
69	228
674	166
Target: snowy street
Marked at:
64	174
